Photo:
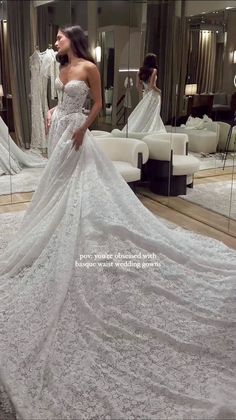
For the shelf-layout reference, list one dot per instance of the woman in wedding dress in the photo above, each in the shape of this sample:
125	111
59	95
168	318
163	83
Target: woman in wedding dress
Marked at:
146	117
105	312
12	158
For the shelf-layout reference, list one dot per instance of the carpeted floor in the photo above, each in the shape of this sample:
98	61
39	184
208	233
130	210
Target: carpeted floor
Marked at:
24	181
214	160
219	197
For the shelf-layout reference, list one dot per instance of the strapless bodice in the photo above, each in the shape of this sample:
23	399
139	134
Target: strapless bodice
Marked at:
73	95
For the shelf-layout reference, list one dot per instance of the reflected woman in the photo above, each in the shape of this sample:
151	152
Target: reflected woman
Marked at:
146	115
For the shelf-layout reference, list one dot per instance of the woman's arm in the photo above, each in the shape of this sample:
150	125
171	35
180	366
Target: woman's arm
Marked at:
93	77
95	90
52	109
49	119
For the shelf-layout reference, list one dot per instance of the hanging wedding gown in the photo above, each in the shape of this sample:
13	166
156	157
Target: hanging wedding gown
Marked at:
43	67
38	136
145	117
85	331
12	158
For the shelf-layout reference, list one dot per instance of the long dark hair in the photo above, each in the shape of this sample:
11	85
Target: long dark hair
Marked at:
79	44
149	63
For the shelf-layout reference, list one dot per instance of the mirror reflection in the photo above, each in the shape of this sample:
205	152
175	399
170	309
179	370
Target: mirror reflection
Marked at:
105	54
4	130
168	78
208	111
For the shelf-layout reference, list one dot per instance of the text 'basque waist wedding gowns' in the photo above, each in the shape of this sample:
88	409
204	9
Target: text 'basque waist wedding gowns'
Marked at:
145	117
105	312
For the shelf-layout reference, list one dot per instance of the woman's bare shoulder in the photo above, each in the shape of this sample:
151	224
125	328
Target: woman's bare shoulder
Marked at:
90	66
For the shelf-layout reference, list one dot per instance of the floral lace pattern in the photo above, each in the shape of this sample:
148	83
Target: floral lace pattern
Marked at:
111	341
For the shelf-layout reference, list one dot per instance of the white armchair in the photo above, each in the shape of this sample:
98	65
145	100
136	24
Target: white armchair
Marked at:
130	134
200	140
223	137
101	133
169	168
127	155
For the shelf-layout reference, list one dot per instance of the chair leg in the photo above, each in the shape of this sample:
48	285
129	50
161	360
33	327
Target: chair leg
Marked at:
191	184
133	186
172	187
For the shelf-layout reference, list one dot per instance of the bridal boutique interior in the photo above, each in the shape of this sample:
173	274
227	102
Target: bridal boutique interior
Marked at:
184	172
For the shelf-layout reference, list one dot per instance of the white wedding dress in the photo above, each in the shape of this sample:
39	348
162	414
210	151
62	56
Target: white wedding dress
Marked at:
83	340
145	118
12	158
43	67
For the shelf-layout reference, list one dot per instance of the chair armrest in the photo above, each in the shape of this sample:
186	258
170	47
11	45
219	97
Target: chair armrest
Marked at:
177	142
131	134
159	150
124	149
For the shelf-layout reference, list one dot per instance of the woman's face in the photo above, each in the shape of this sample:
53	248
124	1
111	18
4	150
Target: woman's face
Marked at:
62	43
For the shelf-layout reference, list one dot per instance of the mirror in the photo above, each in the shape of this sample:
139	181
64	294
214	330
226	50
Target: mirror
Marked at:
30	92
191	167
106	64
198	105
5	164
207	111
232	210
152	35
113	45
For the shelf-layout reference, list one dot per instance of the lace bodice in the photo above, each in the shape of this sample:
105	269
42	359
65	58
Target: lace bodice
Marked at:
73	96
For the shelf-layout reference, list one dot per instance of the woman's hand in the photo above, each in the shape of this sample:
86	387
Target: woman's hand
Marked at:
49	119
78	137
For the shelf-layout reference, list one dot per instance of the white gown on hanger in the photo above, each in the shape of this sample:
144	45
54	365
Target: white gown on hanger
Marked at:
79	340
43	66
145	117
38	136
48	71
12	158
